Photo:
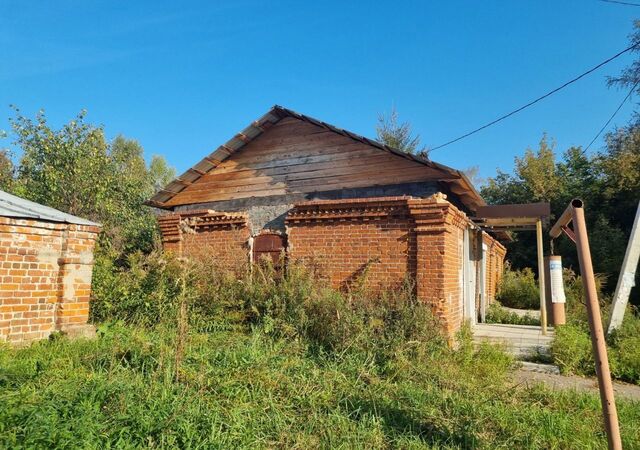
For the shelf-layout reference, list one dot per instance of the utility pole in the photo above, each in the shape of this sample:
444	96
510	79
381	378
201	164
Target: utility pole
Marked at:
575	213
627	277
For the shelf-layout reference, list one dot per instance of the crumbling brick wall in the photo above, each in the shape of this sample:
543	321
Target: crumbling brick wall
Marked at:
378	242
495	265
45	274
223	237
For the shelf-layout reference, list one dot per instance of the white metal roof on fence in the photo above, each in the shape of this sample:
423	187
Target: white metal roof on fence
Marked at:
13	206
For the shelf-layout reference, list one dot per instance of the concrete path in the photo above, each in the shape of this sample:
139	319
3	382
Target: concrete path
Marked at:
535	313
524	341
526	377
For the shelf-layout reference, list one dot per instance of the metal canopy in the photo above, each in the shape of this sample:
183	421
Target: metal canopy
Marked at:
515	217
520	217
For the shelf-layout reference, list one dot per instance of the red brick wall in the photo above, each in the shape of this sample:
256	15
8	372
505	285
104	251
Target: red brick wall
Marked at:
440	229
45	274
495	265
223	237
353	242
379	242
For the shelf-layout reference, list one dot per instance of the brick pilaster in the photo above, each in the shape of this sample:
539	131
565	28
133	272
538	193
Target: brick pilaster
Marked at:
74	277
438	228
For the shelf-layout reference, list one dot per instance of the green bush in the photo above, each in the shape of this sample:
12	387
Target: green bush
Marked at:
575	305
143	290
496	313
624	344
518	289
571	349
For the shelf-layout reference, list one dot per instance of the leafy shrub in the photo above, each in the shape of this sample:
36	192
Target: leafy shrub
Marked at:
144	290
571	349
496	313
624	344
575	305
518	289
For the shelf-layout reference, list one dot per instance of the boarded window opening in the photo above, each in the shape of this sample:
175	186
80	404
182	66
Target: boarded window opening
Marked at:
269	246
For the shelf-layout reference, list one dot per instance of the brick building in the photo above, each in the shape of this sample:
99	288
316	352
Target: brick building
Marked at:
343	202
46	262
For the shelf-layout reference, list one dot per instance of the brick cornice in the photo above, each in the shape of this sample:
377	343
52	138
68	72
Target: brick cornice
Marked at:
435	214
372	208
214	219
172	226
37	224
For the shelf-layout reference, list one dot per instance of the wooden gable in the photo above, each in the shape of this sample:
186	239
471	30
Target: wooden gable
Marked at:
296	156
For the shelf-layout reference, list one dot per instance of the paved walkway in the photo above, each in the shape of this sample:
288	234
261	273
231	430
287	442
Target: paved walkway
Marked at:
527	377
522	340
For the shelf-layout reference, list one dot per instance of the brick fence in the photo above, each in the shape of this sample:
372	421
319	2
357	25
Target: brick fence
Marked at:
45	274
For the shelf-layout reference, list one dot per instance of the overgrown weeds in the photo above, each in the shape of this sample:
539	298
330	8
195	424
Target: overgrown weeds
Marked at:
572	352
518	289
270	359
292	304
571	349
253	390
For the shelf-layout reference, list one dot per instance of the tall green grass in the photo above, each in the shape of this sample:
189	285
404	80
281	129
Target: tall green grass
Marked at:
571	348
251	390
189	356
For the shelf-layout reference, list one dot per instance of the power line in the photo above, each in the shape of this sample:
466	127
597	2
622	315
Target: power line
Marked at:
620	3
633	88
533	102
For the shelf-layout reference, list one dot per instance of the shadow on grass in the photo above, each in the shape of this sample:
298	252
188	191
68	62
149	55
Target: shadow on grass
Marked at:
399	422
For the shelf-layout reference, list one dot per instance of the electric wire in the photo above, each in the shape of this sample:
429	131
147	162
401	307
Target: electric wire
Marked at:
542	97
620	3
624	100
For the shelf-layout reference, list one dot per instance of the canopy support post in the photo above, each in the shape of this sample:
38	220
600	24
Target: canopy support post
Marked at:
541	281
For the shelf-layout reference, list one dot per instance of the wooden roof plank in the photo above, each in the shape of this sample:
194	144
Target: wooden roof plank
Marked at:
277	113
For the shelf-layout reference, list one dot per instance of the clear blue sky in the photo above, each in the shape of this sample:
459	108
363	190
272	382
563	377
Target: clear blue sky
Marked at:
183	77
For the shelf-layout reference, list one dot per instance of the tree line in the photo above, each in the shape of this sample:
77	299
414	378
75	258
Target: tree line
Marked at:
77	170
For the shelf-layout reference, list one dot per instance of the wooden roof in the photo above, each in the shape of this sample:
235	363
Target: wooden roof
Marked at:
455	180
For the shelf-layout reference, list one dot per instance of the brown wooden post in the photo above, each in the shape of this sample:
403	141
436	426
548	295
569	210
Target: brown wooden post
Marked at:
543	305
597	331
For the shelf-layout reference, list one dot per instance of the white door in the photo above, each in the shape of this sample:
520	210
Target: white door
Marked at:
483	284
468	278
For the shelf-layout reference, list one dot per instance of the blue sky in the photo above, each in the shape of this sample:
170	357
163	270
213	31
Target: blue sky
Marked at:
183	77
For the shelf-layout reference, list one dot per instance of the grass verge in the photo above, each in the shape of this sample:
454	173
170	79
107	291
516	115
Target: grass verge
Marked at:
252	390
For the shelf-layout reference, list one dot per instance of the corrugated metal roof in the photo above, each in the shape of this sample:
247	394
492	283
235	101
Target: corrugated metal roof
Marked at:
13	206
456	180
